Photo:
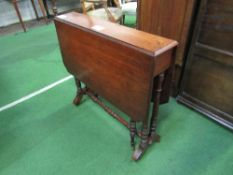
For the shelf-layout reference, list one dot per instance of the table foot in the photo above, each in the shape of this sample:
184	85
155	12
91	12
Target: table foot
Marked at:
137	154
139	151
80	92
77	100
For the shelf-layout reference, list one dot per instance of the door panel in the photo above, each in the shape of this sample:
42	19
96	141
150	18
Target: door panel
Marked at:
207	84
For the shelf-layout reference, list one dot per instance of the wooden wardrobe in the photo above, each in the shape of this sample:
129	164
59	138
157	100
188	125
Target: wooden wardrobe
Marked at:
207	84
204	58
168	18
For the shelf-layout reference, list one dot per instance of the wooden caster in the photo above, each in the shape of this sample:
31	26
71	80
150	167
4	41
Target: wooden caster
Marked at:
137	154
77	99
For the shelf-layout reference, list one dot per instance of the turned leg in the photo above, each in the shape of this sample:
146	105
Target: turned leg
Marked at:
19	15
34	8
143	143
80	92
132	127
153	124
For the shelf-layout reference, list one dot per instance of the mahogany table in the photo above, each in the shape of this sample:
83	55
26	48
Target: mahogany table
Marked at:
127	67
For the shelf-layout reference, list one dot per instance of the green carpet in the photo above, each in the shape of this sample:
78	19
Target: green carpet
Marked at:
130	21
49	135
29	61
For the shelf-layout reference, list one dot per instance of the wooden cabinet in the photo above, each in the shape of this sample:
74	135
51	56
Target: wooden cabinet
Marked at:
207	85
168	18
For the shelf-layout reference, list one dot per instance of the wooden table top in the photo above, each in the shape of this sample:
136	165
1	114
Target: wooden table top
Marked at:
149	44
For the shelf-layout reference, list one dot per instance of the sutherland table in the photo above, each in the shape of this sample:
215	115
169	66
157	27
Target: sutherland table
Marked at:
127	67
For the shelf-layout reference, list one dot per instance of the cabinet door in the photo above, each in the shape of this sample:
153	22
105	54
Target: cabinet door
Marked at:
207	84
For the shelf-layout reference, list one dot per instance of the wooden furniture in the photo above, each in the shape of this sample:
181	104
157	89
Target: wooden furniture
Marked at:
168	18
113	14
207	85
15	3
121	64
54	7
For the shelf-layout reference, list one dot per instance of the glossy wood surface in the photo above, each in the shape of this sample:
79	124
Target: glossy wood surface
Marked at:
116	62
147	43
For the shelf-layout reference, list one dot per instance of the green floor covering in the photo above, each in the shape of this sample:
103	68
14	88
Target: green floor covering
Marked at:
48	135
29	61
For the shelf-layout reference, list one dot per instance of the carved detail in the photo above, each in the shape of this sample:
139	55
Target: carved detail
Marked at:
133	131
146	137
153	124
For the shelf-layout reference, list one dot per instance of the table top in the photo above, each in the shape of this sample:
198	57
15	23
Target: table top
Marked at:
150	44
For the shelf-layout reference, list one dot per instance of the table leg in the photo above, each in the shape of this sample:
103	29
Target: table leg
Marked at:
153	124
143	143
19	15
42	7
34	8
80	92
132	128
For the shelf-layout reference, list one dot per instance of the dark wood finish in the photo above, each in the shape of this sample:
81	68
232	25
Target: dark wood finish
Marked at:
95	98
144	142
115	62
153	122
80	92
207	85
133	131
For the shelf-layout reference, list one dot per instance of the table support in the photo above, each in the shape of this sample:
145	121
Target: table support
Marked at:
34	8
147	135
80	92
140	150
19	15
15	4
153	124
133	131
